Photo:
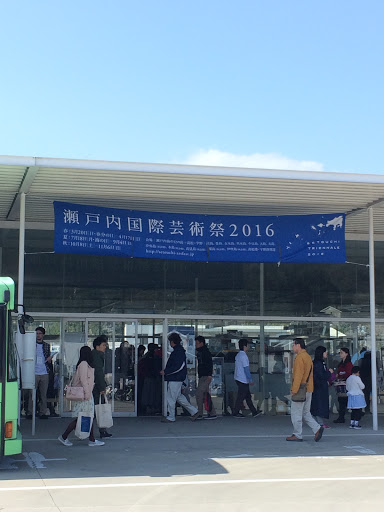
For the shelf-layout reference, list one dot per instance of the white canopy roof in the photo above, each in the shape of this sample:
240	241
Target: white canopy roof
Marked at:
187	189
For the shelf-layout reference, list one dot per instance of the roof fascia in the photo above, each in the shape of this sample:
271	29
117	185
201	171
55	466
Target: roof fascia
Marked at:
25	185
191	169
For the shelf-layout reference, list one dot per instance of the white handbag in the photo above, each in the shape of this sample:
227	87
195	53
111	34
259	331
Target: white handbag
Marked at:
74	393
104	413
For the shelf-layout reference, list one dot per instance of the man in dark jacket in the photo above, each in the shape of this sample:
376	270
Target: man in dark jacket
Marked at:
99	348
204	370
175	373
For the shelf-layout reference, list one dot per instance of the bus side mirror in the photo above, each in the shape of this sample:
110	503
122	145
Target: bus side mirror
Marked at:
20	322
23	319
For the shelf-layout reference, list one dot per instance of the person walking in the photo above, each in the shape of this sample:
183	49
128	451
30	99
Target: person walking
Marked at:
243	379
84	377
204	371
356	399
302	376
342	373
320	395
175	372
99	348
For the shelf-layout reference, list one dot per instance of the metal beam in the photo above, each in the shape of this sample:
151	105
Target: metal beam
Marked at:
25	185
372	302
355	211
15	224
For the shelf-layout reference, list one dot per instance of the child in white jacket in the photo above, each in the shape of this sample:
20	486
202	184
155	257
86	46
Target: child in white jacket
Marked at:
356	400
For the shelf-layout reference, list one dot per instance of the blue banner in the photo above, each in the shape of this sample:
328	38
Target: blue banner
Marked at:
83	229
312	238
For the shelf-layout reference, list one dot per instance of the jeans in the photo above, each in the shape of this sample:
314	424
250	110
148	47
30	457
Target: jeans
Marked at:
174	395
41	385
302	411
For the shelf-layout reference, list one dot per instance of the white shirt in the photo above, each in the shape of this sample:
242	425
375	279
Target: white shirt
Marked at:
241	362
40	368
355	385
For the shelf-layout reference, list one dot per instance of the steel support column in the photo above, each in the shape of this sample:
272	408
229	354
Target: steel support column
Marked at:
372	307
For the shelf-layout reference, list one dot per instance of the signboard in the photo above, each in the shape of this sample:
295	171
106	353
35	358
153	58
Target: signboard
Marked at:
83	229
312	238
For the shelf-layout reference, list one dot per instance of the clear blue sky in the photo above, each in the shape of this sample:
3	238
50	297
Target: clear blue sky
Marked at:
160	80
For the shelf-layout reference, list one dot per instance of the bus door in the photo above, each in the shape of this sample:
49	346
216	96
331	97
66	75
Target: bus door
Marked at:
10	437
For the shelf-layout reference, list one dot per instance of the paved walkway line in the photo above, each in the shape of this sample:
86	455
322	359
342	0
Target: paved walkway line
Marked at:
193	482
348	433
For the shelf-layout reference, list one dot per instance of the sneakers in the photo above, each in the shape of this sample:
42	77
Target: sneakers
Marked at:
104	433
65	442
198	417
293	438
351	426
195	416
257	413
96	442
339	420
357	427
239	415
325	426
319	434
166	420
212	417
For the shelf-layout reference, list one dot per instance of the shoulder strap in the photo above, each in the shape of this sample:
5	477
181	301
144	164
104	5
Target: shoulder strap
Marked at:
309	374
73	376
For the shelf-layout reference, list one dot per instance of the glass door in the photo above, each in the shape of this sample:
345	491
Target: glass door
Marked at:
123	381
73	338
120	359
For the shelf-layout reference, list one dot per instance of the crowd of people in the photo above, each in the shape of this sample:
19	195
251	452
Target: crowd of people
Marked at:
315	378
311	381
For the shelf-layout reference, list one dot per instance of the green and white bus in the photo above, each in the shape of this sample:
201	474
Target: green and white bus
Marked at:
10	437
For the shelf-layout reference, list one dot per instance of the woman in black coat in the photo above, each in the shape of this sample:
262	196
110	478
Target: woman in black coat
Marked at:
320	395
366	377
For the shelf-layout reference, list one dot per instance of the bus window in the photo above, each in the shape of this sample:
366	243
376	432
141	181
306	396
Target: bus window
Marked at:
12	357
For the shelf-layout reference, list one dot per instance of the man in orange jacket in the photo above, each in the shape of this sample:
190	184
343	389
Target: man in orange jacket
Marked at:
302	374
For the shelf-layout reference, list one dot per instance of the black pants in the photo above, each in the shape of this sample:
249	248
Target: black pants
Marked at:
367	395
343	401
356	414
243	393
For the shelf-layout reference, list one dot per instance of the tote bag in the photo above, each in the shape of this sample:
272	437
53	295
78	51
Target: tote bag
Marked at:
104	414
207	402
83	425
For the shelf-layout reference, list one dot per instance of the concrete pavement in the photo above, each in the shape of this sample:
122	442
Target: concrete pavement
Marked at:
226	465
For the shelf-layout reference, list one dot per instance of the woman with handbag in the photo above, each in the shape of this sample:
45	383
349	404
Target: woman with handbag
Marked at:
344	370
320	395
84	378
